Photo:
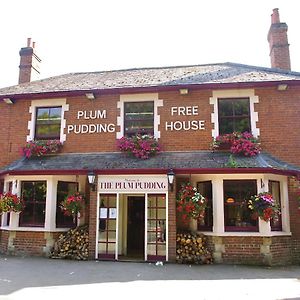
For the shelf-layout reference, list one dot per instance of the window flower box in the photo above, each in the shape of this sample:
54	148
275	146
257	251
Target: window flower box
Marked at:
238	143
140	146
41	148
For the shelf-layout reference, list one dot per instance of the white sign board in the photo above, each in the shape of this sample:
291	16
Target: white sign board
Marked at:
133	184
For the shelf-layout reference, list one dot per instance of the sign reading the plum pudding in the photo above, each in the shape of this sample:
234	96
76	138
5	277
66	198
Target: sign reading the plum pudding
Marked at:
133	184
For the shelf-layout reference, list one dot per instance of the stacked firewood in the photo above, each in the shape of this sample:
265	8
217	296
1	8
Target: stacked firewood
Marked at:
191	249
74	244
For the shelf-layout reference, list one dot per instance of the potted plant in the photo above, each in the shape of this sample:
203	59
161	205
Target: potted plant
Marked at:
10	203
263	206
140	146
40	148
73	205
238	143
190	204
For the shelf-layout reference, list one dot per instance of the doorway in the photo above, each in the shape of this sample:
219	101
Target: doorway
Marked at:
136	227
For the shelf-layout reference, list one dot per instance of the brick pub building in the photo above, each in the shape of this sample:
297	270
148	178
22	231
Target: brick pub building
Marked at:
131	208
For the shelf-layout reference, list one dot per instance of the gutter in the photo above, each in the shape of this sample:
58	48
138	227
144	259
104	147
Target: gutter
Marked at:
178	171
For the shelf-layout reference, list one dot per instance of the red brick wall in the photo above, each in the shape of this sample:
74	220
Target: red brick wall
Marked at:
252	250
29	243
92	224
4	235
278	111
279	122
242	250
172	224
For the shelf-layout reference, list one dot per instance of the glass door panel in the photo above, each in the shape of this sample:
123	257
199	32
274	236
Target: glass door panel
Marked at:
156	227
107	226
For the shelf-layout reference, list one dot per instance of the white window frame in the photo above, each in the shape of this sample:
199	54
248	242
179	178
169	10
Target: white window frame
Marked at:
139	98
47	103
231	94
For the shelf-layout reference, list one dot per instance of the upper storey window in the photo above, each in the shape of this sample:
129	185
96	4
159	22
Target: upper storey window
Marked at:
234	115
48	123
138	118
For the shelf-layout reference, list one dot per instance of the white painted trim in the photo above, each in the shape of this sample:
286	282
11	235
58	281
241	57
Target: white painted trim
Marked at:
240	93
247	234
97	226
47	103
167	226
117	228
34	229
139	98
146	228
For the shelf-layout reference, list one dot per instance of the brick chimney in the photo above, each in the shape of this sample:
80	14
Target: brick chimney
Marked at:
278	42
29	63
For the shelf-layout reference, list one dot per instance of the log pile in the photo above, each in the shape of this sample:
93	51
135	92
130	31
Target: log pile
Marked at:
74	244
191	249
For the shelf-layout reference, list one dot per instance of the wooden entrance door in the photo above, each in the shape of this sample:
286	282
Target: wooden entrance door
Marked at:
136	226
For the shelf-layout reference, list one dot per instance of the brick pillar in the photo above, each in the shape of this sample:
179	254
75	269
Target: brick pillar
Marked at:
172	222
92	223
278	42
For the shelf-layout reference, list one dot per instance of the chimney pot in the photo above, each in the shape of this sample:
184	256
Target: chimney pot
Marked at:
275	16
28	42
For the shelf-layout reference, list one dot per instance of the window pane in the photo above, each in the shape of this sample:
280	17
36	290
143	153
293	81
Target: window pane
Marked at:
205	189
48	123
238	217
138	117
63	189
234	115
276	221
241	107
34	196
225	108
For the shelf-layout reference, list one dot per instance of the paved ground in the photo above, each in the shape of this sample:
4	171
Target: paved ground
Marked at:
41	278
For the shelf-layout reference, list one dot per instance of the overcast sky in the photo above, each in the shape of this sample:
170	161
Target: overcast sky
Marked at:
96	35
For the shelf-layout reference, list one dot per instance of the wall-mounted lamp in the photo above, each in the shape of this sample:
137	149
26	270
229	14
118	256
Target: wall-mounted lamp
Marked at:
171	176
91	179
282	87
90	96
183	91
8	101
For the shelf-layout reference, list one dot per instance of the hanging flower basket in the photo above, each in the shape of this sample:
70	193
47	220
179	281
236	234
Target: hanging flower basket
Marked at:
238	143
190	204
73	204
40	148
11	203
140	146
263	206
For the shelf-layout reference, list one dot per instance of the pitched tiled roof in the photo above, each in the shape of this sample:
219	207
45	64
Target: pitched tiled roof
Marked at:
197	160
222	73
